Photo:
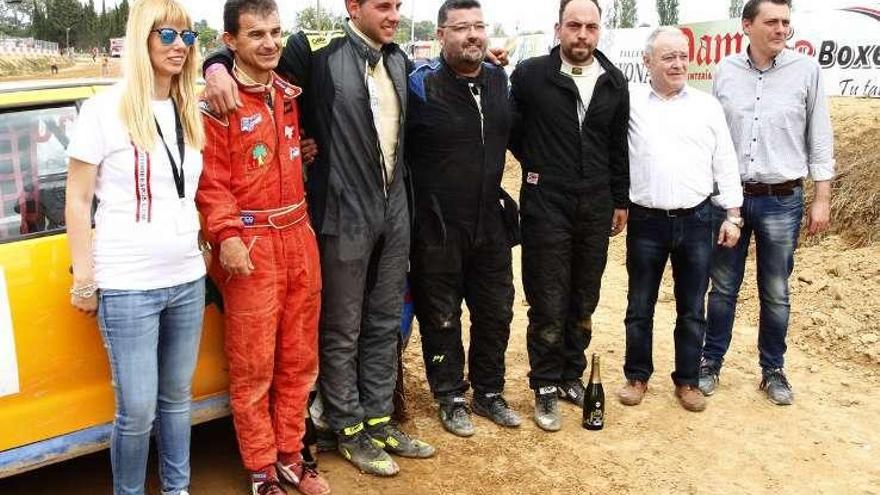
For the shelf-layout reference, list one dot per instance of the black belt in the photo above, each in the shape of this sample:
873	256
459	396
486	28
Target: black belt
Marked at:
681	212
761	189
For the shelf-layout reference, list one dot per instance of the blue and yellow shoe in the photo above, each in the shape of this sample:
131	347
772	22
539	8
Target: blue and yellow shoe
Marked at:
365	453
389	436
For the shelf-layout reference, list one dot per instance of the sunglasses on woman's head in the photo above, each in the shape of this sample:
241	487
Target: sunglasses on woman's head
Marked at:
167	36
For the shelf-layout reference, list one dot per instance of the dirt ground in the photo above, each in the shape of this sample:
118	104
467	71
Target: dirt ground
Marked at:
80	69
828	442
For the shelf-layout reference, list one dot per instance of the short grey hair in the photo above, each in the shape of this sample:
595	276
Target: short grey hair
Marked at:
671	30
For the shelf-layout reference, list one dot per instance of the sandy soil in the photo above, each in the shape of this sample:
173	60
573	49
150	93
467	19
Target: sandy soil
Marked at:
826	443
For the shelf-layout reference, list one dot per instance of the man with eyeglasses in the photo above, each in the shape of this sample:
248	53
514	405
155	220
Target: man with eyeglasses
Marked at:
679	149
572	107
458	127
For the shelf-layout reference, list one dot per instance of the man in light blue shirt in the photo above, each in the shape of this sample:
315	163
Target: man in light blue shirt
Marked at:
778	116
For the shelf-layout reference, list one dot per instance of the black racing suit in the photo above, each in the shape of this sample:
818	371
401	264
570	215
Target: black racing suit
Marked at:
573	178
457	134
361	218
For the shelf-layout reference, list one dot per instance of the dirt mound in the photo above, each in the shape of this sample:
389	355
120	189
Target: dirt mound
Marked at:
835	296
31	65
856	196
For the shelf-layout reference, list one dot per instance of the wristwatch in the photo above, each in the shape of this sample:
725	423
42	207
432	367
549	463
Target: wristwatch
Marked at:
738	221
204	245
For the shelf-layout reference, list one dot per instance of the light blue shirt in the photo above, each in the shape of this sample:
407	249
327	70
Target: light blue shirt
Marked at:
778	118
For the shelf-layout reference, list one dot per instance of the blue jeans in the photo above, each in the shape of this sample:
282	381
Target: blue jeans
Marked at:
652	240
152	340
775	222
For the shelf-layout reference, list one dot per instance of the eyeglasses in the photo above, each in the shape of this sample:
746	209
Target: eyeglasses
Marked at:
465	28
167	36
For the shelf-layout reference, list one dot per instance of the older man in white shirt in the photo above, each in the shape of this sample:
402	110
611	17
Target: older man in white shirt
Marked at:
681	160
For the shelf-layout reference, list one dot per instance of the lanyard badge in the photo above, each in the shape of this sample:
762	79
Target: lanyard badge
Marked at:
179	178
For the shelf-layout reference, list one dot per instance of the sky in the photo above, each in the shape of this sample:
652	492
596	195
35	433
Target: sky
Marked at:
514	15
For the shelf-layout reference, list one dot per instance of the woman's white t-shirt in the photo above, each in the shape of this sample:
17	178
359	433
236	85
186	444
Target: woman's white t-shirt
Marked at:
146	236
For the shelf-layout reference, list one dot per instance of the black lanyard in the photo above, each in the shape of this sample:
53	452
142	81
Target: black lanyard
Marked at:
179	179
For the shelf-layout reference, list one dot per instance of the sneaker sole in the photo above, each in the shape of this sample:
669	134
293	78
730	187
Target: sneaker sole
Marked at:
779	403
549	428
485	414
287	476
461	434
392	470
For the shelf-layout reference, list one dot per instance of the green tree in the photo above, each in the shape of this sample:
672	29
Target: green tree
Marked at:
624	14
209	38
498	31
667	10
736	9
424	30
16	17
309	19
64	20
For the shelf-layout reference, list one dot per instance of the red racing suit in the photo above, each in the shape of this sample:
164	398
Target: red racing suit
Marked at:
252	187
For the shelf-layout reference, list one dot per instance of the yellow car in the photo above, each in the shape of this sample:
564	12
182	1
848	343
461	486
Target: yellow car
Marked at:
55	396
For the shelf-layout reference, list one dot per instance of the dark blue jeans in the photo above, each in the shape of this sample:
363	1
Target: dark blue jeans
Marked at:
775	222
652	240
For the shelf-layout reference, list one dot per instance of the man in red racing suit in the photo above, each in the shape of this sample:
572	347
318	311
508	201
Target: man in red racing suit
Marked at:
251	196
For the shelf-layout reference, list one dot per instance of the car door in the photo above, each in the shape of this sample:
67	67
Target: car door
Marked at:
54	375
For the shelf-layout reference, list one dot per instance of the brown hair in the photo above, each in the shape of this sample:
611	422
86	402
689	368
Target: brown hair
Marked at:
750	11
564	3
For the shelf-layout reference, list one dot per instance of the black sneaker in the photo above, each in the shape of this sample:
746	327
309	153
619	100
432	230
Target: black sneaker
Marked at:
388	435
547	409
709	377
777	387
366	454
572	391
494	407
454	416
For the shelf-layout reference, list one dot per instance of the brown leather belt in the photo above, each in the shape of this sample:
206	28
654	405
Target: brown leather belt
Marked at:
761	189
277	218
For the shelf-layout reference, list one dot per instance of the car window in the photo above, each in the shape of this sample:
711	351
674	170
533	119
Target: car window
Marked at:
33	168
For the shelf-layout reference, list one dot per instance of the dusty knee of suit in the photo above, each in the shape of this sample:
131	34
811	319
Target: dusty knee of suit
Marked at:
547	335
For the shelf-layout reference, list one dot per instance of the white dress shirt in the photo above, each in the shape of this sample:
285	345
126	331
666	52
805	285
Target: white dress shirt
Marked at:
679	149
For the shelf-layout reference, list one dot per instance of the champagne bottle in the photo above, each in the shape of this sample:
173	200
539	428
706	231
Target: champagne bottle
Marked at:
594	402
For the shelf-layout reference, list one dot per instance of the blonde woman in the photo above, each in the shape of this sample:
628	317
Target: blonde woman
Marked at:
137	148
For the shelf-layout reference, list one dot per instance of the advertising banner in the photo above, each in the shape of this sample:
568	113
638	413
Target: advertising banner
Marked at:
845	42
